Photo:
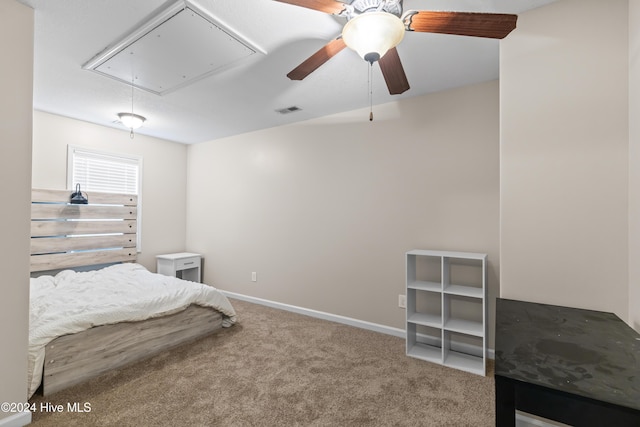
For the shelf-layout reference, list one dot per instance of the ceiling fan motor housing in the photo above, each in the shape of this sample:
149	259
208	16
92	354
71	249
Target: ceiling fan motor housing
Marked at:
358	7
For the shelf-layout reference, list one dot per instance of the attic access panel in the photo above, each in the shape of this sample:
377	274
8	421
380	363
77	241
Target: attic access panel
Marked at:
178	46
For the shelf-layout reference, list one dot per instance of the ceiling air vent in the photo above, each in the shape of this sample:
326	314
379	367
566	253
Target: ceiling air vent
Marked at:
288	110
176	47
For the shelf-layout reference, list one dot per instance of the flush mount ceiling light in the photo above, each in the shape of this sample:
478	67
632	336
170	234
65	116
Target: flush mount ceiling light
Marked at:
131	121
372	34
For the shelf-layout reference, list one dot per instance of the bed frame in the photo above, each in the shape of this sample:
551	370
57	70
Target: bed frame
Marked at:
103	231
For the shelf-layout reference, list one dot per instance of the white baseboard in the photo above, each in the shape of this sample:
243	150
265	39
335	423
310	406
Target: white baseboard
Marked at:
320	315
396	332
20	419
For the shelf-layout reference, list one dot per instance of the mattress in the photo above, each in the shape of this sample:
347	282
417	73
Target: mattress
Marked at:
71	302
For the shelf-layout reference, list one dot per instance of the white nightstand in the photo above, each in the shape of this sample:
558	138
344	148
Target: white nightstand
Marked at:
183	265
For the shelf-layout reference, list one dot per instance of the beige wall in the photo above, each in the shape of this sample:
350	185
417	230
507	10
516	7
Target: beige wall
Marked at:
16	44
324	210
564	156
634	164
163	183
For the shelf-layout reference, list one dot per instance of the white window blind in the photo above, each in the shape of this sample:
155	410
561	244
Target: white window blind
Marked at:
105	172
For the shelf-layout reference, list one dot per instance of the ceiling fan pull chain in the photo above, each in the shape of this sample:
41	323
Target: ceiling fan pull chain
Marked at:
131	133
370	92
132	80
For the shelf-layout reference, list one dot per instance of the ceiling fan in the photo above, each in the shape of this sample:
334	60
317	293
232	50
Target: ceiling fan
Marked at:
375	27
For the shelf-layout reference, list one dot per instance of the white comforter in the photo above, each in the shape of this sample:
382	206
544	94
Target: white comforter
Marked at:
71	302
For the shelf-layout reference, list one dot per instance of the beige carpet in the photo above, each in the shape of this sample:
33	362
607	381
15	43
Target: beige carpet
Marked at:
276	368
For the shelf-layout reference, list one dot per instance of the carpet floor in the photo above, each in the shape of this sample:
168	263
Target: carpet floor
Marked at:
276	368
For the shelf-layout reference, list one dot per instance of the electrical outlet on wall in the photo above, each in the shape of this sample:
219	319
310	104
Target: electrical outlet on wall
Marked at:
402	301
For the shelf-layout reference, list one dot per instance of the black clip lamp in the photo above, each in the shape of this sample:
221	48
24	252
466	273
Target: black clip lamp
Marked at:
78	198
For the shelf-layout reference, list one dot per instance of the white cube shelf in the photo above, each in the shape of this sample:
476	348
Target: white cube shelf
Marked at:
447	308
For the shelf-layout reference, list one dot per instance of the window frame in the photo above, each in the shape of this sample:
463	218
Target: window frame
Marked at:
72	150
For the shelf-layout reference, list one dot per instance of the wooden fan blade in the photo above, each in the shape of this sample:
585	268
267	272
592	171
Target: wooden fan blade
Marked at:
491	25
327	6
317	59
393	72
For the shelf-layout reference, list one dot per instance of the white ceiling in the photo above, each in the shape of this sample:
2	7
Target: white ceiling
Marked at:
244	97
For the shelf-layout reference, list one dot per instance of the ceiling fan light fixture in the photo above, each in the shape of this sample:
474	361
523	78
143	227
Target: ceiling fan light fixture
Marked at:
130	120
372	34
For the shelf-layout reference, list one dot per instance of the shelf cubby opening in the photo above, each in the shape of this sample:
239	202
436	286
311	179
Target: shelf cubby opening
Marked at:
424	342
463	314
422	310
461	276
424	272
465	352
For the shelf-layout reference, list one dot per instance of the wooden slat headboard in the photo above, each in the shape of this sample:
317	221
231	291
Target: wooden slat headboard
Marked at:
65	235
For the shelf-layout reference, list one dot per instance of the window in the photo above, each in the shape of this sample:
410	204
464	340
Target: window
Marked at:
106	172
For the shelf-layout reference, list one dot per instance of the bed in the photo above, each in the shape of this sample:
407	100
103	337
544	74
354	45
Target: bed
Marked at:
85	323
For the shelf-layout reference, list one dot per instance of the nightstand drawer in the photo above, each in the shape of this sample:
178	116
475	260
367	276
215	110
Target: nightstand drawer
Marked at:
184	263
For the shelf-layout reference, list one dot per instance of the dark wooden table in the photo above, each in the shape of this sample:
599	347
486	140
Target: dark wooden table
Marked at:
579	367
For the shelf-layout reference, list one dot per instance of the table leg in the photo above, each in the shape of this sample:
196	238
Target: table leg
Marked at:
505	402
